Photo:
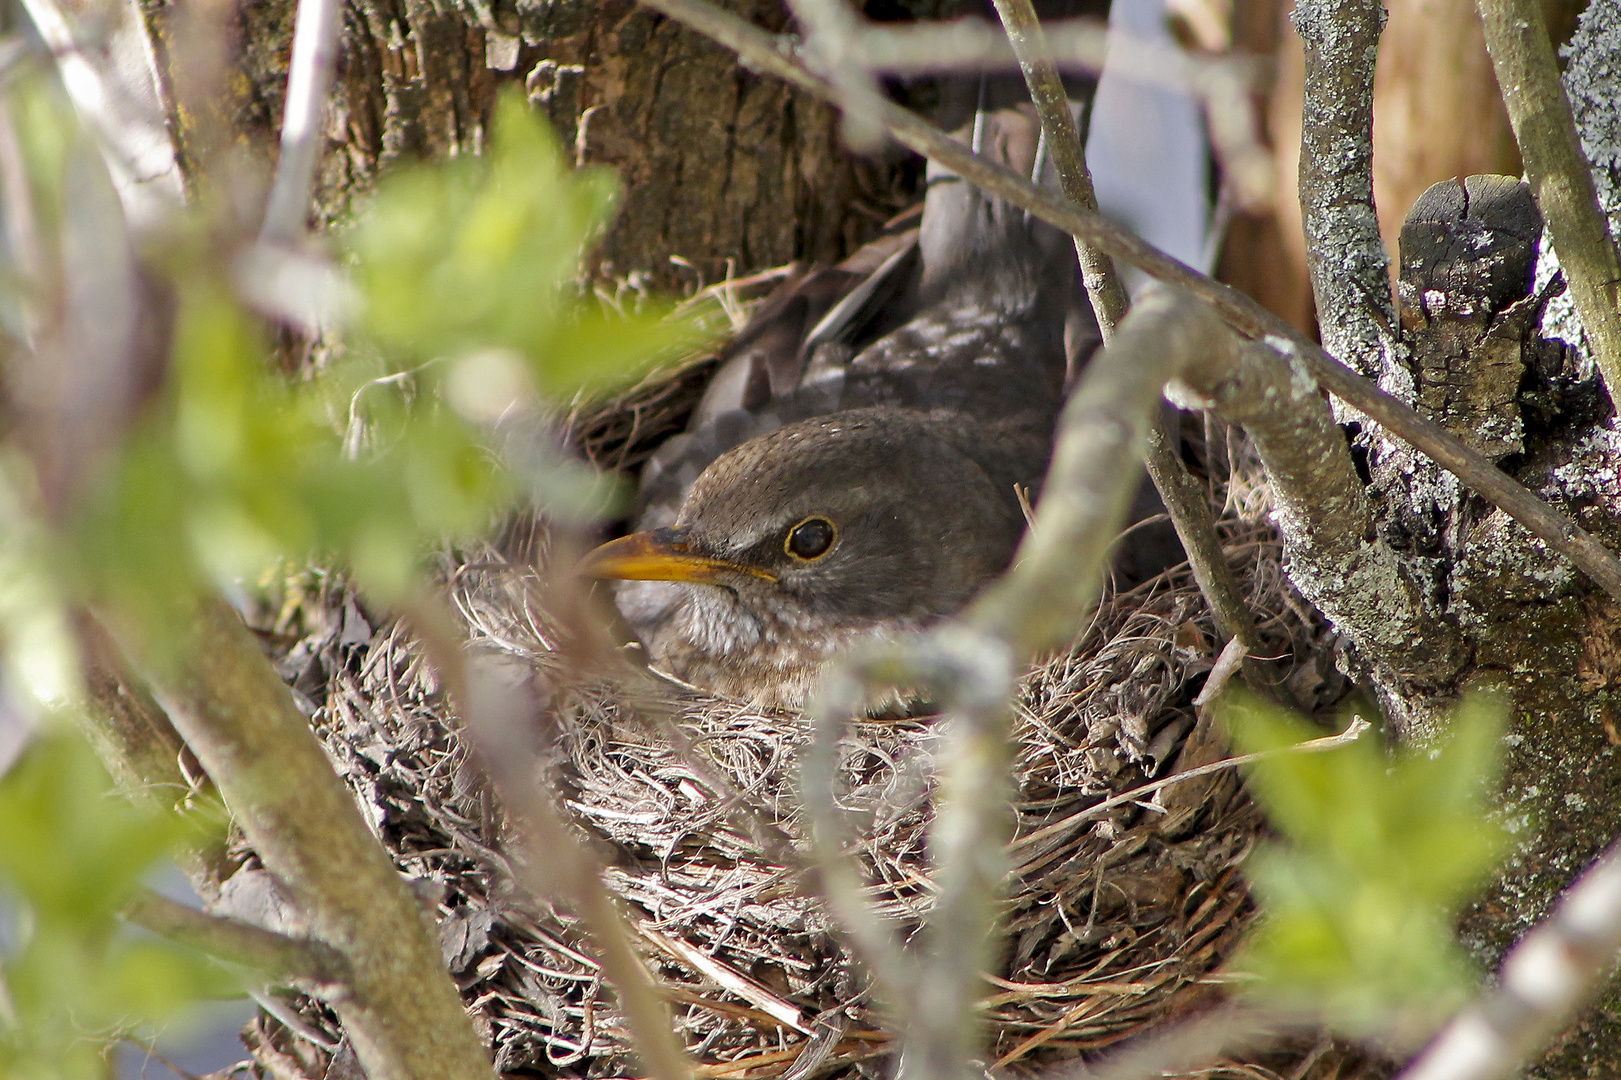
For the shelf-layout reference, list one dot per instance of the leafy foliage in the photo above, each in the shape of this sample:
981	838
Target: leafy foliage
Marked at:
72	853
474	255
1380	852
225	466
467	272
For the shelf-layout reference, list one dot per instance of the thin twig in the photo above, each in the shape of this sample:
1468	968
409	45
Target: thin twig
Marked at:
1056	575
1559	532
1539	112
1188	508
281	958
1551	971
968	666
831	29
309	77
1353	731
1024	33
139	157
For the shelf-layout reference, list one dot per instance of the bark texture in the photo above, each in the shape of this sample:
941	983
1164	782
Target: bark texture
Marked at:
722	169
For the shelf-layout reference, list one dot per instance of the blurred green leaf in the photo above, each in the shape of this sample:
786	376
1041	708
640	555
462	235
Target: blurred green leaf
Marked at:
483	253
469	273
1379	852
72	853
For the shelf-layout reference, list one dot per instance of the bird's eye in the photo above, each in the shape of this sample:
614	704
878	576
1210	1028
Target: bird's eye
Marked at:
811	539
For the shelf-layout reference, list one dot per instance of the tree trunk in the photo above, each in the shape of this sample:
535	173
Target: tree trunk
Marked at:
722	169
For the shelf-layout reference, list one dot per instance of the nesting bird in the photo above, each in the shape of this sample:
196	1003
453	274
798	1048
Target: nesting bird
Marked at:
853	470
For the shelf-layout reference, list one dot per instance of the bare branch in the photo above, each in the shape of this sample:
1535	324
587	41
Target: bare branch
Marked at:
235	713
109	101
496	710
1335	555
1539	111
1056	576
1024	33
1552	971
1468	251
1555	529
831	29
969	666
1189	509
309	77
281	958
1350	271
144	753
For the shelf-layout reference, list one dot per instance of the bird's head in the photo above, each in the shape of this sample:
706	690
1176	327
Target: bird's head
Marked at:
866	520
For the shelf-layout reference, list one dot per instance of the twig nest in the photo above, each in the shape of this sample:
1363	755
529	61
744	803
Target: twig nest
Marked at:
1112	920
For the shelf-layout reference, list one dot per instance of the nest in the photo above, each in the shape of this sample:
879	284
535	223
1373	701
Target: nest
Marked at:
1114	921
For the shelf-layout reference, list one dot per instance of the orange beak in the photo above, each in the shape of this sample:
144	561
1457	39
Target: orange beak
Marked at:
660	555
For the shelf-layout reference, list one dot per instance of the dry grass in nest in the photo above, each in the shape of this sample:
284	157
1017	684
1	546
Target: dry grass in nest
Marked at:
1114	921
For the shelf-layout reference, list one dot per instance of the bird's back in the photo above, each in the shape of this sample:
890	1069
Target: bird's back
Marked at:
977	311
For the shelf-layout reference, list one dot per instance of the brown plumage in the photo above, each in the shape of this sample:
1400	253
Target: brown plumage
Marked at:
853	473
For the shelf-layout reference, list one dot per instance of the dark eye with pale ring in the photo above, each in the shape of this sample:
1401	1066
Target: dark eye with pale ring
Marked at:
811	539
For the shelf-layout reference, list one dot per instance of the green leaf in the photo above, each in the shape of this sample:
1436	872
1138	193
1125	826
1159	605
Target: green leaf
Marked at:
1378	853
72	853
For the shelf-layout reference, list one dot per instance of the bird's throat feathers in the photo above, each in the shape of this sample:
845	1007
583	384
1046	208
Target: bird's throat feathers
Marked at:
770	654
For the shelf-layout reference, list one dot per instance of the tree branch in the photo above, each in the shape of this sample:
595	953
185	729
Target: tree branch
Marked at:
969	665
1335	556
144	753
1184	501
1350	270
1552	971
1558	531
281	958
1024	33
1539	112
401	1010
496	712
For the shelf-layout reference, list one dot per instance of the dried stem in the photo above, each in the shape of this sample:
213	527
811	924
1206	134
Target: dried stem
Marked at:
1539	112
1353	731
1558	531
399	1006
1551	971
1189	508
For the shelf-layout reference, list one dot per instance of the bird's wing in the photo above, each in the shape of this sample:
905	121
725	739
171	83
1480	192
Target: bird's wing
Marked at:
967	314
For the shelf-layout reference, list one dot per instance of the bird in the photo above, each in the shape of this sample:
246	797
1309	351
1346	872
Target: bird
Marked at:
858	467
867	523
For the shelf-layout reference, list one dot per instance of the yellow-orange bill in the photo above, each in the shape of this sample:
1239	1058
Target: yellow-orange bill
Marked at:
660	555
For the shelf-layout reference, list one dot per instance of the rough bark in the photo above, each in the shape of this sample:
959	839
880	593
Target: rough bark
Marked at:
721	168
